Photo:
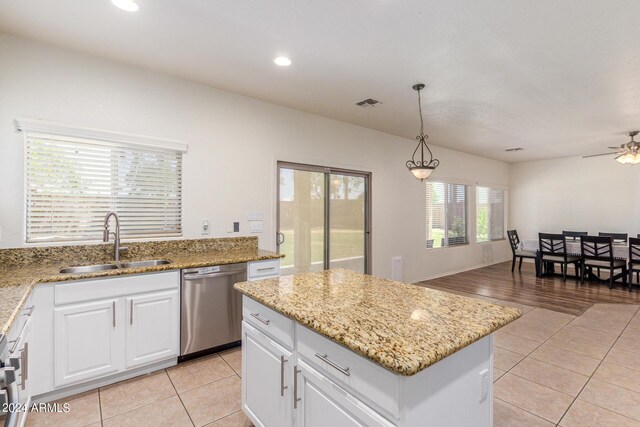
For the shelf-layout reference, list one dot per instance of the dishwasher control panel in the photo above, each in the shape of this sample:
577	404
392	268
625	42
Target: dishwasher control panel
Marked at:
207	270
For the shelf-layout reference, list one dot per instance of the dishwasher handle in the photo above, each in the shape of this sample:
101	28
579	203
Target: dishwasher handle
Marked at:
195	276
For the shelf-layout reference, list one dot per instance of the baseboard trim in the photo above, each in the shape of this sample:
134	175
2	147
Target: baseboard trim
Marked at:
462	270
82	387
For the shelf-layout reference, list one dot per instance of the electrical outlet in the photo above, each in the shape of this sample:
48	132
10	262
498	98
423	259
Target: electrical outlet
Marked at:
205	228
484	385
236	227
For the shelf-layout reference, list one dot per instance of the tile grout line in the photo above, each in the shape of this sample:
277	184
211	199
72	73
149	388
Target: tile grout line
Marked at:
525	410
100	407
596	369
590	376
541	344
179	397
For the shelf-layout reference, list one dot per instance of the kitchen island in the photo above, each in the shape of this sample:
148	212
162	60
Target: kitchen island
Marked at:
339	348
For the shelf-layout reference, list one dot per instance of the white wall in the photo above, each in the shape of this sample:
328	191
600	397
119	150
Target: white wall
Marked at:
234	144
594	194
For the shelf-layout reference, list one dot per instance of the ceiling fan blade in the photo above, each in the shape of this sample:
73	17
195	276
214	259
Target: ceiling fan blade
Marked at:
617	148
601	154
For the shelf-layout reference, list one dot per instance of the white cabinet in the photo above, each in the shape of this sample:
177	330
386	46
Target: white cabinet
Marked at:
88	341
266	393
330	385
324	404
151	328
265	269
108	326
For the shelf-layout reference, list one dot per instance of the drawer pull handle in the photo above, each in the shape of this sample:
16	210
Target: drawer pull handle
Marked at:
24	365
29	311
324	358
257	316
296	399
113	313
15	344
266	269
282	386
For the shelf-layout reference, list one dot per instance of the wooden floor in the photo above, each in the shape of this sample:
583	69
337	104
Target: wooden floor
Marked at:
497	281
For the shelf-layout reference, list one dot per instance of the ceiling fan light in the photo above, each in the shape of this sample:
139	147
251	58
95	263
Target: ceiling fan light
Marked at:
628	158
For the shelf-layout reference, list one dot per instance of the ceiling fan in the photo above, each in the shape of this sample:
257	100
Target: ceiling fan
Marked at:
627	154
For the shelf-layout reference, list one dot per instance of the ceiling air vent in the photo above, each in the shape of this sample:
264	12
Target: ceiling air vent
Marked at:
514	149
368	103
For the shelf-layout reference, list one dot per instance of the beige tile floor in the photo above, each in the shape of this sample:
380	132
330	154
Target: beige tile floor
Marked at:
203	392
554	369
551	369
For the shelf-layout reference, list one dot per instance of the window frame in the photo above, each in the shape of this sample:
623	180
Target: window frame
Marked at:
504	212
468	186
34	128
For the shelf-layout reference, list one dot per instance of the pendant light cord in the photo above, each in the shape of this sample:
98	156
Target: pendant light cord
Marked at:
420	110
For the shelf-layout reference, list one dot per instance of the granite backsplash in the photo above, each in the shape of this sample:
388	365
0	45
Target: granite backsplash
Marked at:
79	254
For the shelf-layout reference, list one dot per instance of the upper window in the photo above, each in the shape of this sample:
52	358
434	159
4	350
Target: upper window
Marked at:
489	214
446	214
71	184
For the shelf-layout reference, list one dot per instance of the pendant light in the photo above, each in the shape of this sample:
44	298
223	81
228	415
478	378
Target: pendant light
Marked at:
420	167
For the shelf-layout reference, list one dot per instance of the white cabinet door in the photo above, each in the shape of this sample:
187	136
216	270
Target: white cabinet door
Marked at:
152	328
323	403
88	341
266	376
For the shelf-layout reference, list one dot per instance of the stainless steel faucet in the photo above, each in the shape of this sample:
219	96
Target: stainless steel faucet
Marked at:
106	233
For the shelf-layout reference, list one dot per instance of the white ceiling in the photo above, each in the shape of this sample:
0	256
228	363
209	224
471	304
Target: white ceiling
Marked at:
558	78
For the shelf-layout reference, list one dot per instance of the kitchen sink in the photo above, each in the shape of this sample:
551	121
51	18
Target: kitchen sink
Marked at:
89	268
104	267
146	263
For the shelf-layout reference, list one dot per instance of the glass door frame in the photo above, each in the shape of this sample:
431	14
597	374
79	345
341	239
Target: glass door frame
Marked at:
328	171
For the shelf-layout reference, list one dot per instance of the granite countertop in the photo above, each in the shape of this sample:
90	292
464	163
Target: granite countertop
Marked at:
17	281
405	328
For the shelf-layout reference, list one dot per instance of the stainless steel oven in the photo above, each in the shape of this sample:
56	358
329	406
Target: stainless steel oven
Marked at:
211	310
15	398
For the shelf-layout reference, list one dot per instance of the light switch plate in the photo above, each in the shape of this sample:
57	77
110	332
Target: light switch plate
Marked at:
255	216
256	226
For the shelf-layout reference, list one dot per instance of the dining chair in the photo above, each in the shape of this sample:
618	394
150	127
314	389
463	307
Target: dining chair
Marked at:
575	235
597	252
616	237
514	241
553	249
634	260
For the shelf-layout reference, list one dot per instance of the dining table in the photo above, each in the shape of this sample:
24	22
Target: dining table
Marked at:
620	251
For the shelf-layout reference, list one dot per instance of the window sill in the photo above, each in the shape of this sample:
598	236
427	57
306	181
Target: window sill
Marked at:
448	246
491	241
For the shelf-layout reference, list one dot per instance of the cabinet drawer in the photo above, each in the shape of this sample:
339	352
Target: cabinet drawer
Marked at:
263	269
355	373
275	325
113	287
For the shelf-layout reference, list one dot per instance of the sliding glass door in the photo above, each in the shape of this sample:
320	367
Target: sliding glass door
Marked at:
323	218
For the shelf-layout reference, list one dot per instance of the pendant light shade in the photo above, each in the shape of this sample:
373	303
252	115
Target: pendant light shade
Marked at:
420	166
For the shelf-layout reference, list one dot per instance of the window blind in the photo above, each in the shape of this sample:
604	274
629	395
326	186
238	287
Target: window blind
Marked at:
490	205
72	183
446	214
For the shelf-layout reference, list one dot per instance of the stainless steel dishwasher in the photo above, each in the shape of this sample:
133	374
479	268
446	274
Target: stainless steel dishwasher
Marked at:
211	310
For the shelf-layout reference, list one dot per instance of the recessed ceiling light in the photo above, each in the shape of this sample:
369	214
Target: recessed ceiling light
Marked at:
282	61
128	5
